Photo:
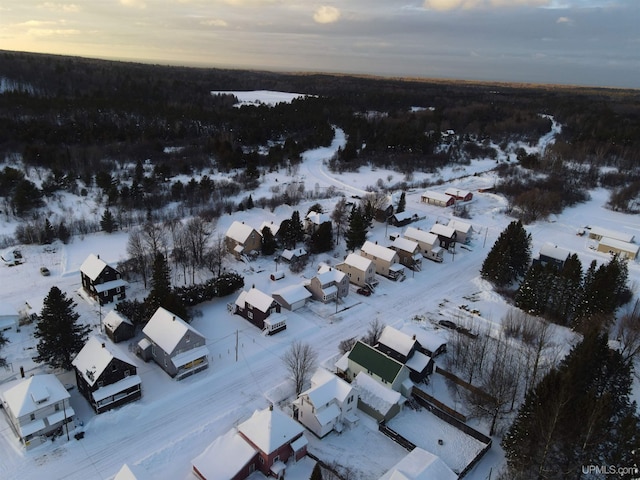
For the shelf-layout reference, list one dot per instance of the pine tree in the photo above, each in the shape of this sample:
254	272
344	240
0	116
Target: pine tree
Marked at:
509	257
269	244
322	239
297	227
339	216
161	294
61	337
357	232
107	222
316	474
402	203
3	341
48	233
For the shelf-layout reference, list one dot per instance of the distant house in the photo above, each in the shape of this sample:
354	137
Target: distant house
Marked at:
552	254
463	230
446	235
409	252
242	239
429	342
429	243
437	198
400	219
272	226
9	317
101	281
313	220
329	284
407	350
618	247
291	255
386	260
292	297
267	442
173	344
328	405
36	408
384	212
117	327
420	465
105	376
459	195
597	233
360	270
257	307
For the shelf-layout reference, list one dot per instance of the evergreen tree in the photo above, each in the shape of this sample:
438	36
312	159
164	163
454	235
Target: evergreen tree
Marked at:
63	233
322	239
316	474
61	337
269	244
340	216
48	233
3	341
509	257
357	231
402	203
161	294
297	227
316	207
107	222
250	204
567	292
533	293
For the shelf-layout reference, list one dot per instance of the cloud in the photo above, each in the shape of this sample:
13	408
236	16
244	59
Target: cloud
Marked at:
140	4
565	20
64	7
326	14
444	5
214	22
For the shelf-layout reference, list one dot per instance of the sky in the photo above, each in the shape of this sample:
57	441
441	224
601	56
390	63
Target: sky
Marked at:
582	42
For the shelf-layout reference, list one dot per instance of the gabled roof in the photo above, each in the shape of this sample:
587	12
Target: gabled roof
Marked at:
396	340
553	251
133	472
459	226
239	232
405	245
293	293
31	394
93	266
429	340
166	329
418	235
95	357
296	252
375	361
113	320
256	298
272	226
270	429
420	465
443	230
224	457
378	251
358	261
375	395
327	274
326	387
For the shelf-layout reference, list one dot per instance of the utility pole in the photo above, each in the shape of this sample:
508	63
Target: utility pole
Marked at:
236	345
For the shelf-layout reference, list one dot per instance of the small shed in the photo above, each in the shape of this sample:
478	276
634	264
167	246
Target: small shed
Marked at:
117	327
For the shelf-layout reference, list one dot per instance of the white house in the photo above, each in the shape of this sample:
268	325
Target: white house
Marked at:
360	270
429	243
420	465
463	230
386	260
328	405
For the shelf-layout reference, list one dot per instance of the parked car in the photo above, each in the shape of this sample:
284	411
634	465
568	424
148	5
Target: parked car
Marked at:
364	291
448	324
44	271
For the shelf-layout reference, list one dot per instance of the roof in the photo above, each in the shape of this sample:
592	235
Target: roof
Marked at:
256	298
418	362
407	214
327	274
270	429
224	457
429	340
326	387
375	395
114	319
133	472
619	245
293	293
166	329
405	244
439	196
116	387
94	358
397	340
420	465
239	232
459	226
272	226
553	251
375	361
93	266
418	235
603	232
457	192
443	230
378	251
358	261
289	254
22	397
317	218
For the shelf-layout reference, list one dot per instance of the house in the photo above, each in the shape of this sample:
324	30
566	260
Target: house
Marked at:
9	317
420	465
117	327
101	281
428	242
328	405
132	472
105	376
360	270
386	260
266	442
463	230
173	344
377	401
11	257
384	369
407	350
618	247
552	254
597	233
429	342
292	255
292	297
459	195
446	235
400	219
313	220
328	284
256	306
36	408
242	239
409	252
437	198
383	212
272	226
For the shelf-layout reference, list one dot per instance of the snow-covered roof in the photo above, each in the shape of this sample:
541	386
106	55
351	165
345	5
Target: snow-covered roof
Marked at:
256	298
270	429
317	218
460	226
189	356
296	252
132	472
439	196
418	361
429	340
358	261
106	286
116	387
603	232
327	274
396	340
456	192
378	251
553	251
619	245
443	230
272	226
29	395
113	320
327	387
375	395
166	329
405	244
406	215
224	457
94	357
239	232
293	293
420	465
418	235
93	266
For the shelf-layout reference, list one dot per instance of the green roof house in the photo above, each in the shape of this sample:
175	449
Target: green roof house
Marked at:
382	368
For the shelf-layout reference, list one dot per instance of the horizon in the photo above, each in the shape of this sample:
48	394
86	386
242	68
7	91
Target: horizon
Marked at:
589	43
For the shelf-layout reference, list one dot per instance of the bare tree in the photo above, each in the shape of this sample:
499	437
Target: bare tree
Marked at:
197	233
373	334
347	344
628	334
136	248
214	255
300	361
340	217
155	239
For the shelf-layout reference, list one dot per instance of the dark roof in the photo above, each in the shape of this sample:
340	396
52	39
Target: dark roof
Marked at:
375	361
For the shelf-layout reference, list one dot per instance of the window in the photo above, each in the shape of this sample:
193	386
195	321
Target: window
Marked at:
127	373
32	417
250	314
57	407
100	384
188	337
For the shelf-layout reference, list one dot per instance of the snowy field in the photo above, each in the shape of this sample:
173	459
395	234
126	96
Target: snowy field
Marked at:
175	421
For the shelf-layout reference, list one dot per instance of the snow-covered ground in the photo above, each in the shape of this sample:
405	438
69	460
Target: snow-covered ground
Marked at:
175	421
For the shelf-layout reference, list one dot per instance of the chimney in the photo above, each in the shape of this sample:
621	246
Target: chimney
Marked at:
414	336
103	345
271	407
173	318
21	372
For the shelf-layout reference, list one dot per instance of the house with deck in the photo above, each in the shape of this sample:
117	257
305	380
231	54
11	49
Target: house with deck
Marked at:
459	195
552	254
101	281
463	230
409	252
428	242
292	297
328	284
386	260
360	270
105	375
446	235
261	310
242	240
